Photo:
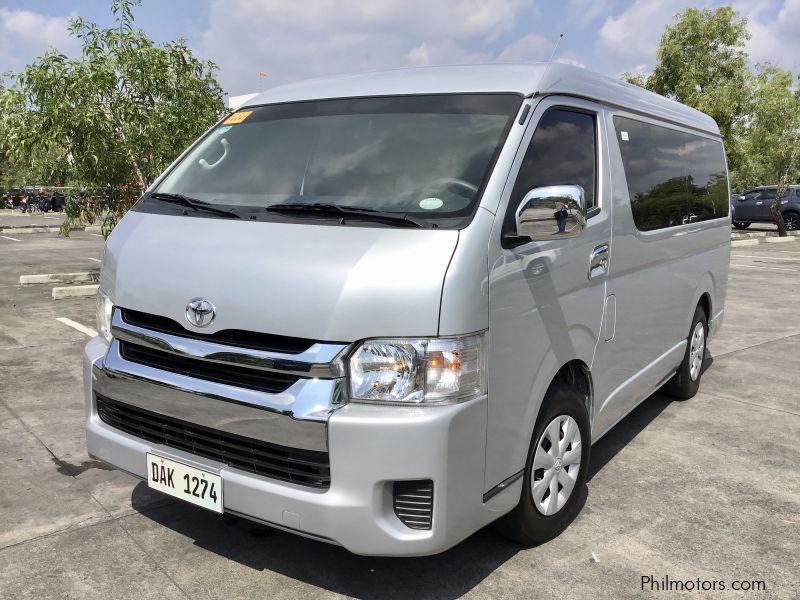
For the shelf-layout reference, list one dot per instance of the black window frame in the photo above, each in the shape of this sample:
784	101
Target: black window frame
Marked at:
508	219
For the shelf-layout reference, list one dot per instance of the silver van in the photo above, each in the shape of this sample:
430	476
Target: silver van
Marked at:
386	310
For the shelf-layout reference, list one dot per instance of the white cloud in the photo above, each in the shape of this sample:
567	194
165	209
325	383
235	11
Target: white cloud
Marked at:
632	37
295	40
629	39
25	34
533	46
570	61
774	40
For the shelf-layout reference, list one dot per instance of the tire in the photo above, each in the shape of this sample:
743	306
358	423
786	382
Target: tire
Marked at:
741	224
792	220
686	382
527	524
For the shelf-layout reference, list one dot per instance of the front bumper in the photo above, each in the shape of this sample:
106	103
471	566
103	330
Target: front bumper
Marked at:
369	448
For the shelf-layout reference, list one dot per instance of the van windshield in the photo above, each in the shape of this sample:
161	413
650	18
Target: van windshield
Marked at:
425	156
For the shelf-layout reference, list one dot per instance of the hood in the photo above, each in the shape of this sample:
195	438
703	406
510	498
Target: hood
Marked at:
323	282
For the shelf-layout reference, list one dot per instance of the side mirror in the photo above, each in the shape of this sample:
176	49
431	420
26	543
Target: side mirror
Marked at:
551	212
740	198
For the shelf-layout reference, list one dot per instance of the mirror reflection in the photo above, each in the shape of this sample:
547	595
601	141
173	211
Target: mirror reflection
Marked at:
552	212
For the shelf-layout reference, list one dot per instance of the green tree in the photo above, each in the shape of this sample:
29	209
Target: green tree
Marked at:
701	62
113	118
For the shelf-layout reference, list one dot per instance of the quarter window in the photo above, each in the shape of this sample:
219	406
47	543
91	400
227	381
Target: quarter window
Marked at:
673	177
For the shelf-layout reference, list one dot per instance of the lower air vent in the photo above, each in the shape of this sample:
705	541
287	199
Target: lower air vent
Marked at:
413	503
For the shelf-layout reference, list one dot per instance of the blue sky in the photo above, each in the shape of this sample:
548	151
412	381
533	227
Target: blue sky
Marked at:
293	40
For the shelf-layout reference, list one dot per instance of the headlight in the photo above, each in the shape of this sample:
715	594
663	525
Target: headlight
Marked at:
104	309
416	371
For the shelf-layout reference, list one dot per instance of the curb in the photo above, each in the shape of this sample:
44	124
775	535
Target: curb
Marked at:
778	240
75	291
48	229
85	277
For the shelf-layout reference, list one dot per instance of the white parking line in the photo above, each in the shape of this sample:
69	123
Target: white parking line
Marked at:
75	325
94	259
5	237
96	234
764	268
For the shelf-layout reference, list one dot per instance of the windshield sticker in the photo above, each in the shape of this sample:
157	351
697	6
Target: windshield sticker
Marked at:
430	203
222	130
237	117
624	136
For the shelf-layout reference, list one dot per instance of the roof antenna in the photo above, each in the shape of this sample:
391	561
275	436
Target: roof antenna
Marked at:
549	62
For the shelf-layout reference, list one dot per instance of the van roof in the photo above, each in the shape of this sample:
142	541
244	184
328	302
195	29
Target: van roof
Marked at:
521	78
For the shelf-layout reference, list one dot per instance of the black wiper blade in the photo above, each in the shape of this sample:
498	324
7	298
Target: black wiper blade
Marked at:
346	211
194	203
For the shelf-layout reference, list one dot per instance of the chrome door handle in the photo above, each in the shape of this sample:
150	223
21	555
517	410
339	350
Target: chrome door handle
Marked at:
598	261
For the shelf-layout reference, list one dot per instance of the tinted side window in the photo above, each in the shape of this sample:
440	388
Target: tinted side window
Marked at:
706	181
768	195
561	152
673	177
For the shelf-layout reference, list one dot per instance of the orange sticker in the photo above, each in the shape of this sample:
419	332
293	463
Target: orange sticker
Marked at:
237	117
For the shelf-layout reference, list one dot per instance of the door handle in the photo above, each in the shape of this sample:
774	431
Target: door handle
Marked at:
598	261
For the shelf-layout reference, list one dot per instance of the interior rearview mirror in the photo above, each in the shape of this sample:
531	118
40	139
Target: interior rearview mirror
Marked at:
552	212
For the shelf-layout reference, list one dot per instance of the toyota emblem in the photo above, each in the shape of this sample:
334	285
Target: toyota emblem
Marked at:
200	312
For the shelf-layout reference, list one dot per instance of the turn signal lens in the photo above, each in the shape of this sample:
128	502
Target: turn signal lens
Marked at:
432	370
104	309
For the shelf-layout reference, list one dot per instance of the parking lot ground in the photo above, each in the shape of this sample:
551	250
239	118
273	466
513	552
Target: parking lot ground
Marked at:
708	488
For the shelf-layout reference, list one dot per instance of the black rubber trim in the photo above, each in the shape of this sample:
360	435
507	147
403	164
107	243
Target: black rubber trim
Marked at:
501	486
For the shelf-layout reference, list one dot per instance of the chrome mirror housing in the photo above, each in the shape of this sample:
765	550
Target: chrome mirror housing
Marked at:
552	212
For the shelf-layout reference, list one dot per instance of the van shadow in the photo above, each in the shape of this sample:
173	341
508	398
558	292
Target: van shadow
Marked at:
448	575
632	425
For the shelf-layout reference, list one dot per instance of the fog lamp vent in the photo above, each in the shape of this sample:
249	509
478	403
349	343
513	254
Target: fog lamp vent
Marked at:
413	503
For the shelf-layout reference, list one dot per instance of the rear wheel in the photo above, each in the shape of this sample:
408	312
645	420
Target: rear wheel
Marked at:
741	224
686	382
555	472
791	220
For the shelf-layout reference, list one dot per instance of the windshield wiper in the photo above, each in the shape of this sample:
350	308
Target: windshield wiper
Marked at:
346	211
194	203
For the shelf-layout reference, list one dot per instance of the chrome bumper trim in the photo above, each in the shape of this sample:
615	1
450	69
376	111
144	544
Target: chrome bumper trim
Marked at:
295	418
320	360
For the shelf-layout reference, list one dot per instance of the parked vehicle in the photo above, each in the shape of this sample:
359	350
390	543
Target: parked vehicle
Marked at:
386	310
754	206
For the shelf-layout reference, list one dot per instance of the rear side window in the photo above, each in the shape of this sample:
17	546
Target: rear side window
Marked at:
674	178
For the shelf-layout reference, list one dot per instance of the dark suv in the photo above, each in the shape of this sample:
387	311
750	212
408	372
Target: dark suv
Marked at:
754	207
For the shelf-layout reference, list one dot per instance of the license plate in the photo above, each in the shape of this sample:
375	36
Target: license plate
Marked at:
182	481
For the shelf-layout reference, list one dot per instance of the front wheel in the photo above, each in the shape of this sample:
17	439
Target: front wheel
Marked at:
741	224
555	472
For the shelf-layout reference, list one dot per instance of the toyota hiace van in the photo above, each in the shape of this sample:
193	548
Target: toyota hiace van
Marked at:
386	310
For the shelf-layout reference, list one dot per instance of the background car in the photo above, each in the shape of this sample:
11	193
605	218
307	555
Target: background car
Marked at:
754	207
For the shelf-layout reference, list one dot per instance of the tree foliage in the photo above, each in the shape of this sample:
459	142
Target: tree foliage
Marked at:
115	117
702	62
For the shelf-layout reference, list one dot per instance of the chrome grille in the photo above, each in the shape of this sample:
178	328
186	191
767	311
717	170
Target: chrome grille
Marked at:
303	467
244	377
230	337
413	503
